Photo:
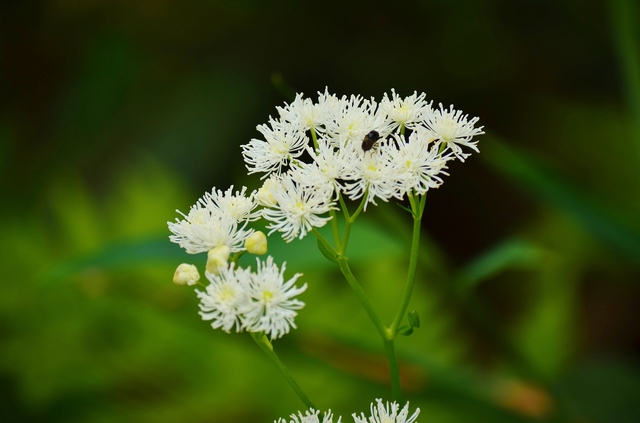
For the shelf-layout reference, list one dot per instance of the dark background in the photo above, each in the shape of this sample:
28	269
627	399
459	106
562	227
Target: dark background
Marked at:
115	113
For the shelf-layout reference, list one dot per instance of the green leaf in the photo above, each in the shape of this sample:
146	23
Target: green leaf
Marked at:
124	254
405	330
512	253
330	255
596	215
414	319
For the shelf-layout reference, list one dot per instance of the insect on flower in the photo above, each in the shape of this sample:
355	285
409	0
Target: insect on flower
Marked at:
369	140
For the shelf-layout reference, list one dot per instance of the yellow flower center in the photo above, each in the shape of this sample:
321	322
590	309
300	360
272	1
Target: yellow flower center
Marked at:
227	293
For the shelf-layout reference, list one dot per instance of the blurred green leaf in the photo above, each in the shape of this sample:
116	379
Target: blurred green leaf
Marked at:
512	253
624	14
119	255
367	242
405	330
552	297
604	222
414	319
325	252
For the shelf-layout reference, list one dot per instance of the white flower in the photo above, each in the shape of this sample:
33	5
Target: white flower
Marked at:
416	164
310	416
328	167
453	129
371	174
298	208
352	120
283	143
240	206
387	414
304	113
186	274
272	307
207	227
225	298
404	111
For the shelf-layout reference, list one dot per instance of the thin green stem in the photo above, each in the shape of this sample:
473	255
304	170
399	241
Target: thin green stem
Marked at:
314	137
236	256
417	207
335	229
362	297
265	345
349	222
360	207
394	371
343	205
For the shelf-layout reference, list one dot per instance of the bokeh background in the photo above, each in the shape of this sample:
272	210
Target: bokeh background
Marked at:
116	113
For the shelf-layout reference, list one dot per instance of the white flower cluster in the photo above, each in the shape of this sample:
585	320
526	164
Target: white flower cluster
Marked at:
354	147
380	413
217	219
313	155
235	298
260	301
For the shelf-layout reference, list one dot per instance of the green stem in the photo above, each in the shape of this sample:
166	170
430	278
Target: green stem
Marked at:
394	371
350	220
417	208
314	137
236	256
362	297
265	345
334	229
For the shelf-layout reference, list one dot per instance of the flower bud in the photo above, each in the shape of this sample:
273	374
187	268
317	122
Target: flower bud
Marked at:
217	258
265	196
186	274
256	243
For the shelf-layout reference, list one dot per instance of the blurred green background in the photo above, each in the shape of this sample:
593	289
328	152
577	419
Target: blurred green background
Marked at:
116	113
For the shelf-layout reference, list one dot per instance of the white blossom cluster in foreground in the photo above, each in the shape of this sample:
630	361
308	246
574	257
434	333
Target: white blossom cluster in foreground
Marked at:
380	413
352	147
312	156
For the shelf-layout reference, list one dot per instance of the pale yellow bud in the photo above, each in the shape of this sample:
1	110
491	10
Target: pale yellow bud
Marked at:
256	243
186	274
217	258
265	196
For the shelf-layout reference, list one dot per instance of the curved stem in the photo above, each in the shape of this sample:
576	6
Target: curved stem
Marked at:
265	345
362	297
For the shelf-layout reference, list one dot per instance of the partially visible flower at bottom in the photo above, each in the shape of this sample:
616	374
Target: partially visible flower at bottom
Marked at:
310	416
381	413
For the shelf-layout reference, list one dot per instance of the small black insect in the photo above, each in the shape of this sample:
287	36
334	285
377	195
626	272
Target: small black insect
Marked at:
369	140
